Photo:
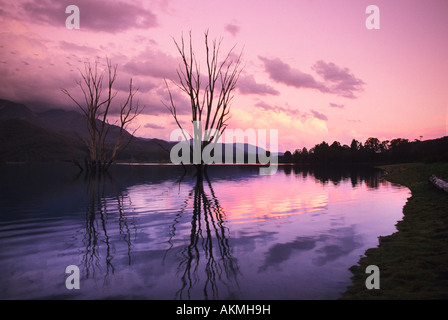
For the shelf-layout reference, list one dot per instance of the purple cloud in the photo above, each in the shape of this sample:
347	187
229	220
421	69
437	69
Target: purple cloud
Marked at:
277	109
233	29
153	126
335	105
70	47
100	15
181	103
319	115
155	64
283	73
339	80
248	85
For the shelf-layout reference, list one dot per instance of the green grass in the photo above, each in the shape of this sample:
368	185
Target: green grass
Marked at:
413	261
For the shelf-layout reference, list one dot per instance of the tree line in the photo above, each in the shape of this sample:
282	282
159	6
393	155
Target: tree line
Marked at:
371	151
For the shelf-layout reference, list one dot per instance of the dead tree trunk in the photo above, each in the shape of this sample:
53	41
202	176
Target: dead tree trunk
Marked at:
210	98
438	183
96	106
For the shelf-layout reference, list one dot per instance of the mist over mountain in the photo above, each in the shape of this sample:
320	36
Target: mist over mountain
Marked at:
57	135
12	110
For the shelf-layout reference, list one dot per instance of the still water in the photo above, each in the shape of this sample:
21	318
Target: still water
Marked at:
151	232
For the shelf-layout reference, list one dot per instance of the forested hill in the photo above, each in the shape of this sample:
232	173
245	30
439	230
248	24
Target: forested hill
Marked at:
58	135
372	151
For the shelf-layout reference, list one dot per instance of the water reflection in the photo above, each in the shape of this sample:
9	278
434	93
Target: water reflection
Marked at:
208	252
337	174
98	208
336	243
147	232
205	263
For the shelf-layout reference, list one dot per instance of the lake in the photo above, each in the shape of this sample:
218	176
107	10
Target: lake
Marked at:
153	232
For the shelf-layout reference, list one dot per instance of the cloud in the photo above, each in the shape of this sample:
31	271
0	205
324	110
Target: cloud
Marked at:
29	72
292	113
141	84
277	109
153	126
248	85
155	104
233	29
336	80
100	15
294	126
319	115
181	103
154	64
283	73
282	252
70	47
332	245
334	105
339	80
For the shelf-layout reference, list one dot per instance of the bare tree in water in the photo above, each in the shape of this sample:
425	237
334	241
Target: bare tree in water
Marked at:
98	94
211	98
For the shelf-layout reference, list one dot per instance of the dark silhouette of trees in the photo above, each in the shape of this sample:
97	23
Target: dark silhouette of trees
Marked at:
372	148
372	145
321	151
372	151
288	156
355	145
400	148
98	98
304	154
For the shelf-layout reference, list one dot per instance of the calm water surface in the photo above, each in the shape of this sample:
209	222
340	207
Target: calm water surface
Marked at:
148	232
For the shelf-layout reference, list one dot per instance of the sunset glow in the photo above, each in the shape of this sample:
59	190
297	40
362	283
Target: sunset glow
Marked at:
312	69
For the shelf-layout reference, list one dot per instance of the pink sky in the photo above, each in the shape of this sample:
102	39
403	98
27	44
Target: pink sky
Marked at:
312	69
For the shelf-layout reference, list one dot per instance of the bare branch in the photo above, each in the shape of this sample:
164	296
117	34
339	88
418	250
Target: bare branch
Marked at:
213	99
98	97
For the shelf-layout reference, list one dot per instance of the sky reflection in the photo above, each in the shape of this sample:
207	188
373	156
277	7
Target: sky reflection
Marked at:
145	233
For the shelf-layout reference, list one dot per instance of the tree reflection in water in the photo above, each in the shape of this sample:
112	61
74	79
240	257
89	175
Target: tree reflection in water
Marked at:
208	254
100	209
204	264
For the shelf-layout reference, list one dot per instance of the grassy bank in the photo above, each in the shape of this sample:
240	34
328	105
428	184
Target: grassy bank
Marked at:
413	262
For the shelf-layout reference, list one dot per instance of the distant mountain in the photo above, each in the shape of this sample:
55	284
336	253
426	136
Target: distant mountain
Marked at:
66	122
12	110
58	135
21	141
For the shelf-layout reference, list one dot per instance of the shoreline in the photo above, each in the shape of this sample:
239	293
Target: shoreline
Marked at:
413	261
